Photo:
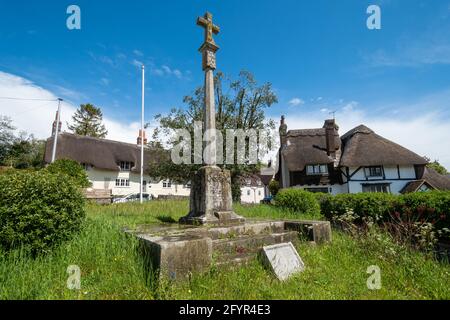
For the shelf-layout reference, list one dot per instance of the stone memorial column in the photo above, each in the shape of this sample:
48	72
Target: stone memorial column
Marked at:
211	198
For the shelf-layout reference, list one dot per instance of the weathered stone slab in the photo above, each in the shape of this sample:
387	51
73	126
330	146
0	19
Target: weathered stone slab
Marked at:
178	255
317	231
283	260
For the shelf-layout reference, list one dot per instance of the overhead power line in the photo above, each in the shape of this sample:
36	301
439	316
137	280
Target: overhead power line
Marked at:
24	99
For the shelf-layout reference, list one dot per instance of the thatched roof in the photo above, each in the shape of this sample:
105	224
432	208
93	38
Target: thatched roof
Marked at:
436	179
307	146
100	153
363	147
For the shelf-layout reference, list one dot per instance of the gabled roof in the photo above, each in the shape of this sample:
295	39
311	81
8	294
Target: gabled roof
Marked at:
415	186
307	146
363	147
438	180
100	153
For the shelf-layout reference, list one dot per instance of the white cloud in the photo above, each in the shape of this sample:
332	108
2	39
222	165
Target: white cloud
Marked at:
104	81
138	53
137	63
296	102
36	117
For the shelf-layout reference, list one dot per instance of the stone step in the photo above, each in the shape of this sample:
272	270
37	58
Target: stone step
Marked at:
248	229
236	260
251	243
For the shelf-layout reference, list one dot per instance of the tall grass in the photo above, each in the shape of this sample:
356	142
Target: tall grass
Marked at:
111	267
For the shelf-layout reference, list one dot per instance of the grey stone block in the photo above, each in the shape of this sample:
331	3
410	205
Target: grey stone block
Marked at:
176	256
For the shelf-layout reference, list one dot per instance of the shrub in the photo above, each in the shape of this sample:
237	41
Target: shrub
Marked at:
38	210
298	200
371	206
274	187
72	169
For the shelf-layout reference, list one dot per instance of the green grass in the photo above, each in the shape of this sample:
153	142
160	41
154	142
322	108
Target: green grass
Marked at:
112	269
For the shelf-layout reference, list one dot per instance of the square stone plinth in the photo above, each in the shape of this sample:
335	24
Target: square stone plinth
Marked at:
211	199
176	256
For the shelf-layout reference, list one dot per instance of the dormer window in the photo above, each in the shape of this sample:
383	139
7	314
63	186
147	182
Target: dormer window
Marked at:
126	165
374	171
317	170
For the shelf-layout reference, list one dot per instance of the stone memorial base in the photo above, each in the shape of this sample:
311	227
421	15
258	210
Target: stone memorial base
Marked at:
211	199
176	251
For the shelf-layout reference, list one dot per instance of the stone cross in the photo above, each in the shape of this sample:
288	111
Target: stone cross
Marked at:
210	28
208	50
211	199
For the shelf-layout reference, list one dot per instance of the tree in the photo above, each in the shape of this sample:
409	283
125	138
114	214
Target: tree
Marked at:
26	152
240	104
437	166
87	121
6	138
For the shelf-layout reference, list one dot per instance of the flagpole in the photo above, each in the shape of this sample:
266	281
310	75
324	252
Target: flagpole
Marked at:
57	128
142	134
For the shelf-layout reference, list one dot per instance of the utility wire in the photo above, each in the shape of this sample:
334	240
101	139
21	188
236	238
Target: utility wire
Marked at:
23	99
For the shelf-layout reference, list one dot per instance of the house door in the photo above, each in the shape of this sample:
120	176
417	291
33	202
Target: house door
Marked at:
144	186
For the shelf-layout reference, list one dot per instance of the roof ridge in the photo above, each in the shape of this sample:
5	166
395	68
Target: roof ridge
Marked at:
99	139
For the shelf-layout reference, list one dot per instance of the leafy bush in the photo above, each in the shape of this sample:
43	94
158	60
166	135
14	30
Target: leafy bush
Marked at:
72	169
419	218
38	210
274	187
298	200
373	206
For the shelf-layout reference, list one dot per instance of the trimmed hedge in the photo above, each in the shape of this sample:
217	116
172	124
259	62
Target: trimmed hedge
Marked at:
363	205
298	200
422	207
38	210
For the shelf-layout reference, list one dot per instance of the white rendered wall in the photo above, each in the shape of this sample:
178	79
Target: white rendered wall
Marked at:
255	197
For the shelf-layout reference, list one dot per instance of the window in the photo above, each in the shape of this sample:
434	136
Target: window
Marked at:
122	183
86	166
320	169
248	192
167	184
144	186
259	193
187	186
126	165
374	171
374	188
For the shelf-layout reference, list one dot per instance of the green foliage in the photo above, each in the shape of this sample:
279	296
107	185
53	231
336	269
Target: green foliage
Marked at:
300	201
112	268
87	121
420	218
6	137
435	165
240	104
72	169
38	210
364	205
20	151
274	187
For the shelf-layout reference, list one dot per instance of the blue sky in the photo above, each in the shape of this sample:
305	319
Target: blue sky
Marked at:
319	55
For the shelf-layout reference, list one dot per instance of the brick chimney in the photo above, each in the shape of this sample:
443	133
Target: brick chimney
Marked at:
331	131
54	125
283	132
141	135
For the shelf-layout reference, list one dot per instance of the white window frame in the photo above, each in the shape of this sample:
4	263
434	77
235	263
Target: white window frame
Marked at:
376	175
122	183
126	166
317	170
